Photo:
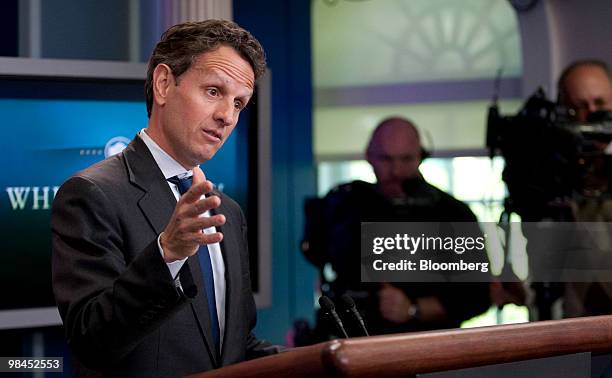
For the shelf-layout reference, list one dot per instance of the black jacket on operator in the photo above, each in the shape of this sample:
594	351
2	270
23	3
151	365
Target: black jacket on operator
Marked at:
332	236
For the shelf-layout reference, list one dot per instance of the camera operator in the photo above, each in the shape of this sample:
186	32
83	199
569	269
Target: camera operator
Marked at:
400	194
558	171
585	87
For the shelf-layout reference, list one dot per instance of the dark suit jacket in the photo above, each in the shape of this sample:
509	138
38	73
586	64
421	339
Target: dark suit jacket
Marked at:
122	312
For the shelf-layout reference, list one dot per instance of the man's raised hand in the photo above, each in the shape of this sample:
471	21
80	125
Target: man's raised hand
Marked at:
184	233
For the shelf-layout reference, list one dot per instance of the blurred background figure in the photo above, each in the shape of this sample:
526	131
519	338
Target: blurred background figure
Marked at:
558	168
585	89
332	238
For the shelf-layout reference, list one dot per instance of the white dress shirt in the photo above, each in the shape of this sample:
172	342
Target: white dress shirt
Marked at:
170	168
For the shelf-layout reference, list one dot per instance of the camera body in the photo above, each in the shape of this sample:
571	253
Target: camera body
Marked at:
550	160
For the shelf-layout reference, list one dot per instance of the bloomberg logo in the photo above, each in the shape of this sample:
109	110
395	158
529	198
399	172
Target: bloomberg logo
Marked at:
41	197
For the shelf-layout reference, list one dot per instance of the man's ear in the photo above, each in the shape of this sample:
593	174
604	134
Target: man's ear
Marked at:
162	80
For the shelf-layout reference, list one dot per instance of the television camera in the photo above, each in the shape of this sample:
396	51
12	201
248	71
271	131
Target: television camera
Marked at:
551	160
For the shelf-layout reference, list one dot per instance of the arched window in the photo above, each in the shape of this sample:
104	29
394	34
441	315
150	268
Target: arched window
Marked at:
432	61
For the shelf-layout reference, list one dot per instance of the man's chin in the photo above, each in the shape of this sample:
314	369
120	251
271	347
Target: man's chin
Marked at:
392	191
204	157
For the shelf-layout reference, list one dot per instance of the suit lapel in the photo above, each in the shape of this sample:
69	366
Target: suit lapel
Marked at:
157	202
157	205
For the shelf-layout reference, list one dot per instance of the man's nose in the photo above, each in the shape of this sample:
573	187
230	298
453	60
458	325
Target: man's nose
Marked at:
397	168
593	107
224	113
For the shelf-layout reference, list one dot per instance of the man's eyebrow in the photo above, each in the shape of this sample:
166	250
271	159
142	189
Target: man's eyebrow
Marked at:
217	81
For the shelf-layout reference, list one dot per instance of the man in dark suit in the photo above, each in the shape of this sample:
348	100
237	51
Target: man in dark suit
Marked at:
150	264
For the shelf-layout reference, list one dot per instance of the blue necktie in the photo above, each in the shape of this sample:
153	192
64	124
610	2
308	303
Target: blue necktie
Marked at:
183	185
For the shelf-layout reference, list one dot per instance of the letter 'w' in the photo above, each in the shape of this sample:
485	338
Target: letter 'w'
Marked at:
18	196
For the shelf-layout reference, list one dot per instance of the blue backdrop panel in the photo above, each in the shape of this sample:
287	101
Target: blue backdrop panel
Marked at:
44	142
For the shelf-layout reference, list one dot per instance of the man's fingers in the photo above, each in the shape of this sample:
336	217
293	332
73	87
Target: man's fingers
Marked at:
215	237
184	232
198	224
203	205
198	176
196	191
199	238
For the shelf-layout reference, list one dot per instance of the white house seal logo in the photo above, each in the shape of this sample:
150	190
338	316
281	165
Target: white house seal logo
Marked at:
115	145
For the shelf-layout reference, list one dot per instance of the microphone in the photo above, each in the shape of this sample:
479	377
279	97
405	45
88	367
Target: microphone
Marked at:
328	307
349	306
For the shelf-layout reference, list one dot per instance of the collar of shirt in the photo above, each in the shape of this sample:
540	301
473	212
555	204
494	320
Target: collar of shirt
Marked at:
165	162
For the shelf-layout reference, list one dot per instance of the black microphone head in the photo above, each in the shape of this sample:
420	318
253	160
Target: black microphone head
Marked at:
347	301
326	303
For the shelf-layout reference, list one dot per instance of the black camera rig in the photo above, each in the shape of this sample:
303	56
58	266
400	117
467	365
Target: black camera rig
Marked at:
550	160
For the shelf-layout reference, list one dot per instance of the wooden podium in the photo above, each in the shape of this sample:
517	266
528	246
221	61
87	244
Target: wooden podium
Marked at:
403	355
